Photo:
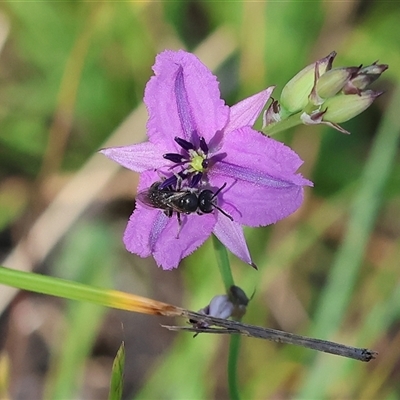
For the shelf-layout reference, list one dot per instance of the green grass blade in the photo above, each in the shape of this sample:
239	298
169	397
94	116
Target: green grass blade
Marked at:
117	374
4	376
77	291
54	286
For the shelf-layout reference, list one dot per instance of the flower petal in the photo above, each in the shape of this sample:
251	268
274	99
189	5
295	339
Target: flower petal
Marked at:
230	234
151	232
246	112
137	157
181	97
143	229
169	249
262	184
259	159
254	206
145	223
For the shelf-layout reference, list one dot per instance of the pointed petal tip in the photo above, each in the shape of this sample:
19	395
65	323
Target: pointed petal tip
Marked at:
107	151
246	112
254	266
168	268
377	94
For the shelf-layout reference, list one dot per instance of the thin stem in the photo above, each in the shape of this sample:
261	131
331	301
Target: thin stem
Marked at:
279	126
234	343
225	326
234	347
223	264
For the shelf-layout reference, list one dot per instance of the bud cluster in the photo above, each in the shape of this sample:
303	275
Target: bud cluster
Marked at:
320	94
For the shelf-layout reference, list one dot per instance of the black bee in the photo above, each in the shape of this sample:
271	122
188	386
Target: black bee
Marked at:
181	201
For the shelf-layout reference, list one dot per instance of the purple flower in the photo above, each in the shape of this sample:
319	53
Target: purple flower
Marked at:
194	135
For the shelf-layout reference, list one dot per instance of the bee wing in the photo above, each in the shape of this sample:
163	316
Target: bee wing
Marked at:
173	201
145	197
165	199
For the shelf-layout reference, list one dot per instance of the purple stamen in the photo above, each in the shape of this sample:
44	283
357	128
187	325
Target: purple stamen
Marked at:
184	143
196	179
174	157
171	181
203	145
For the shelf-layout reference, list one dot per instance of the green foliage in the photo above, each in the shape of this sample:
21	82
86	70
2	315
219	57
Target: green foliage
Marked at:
117	374
70	72
85	259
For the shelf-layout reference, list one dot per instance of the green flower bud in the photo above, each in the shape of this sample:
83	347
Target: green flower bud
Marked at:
295	94
364	77
342	107
332	82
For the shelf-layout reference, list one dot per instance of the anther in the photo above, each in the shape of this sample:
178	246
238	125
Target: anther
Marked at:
184	143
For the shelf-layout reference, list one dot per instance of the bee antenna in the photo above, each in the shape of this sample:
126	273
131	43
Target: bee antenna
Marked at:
223	212
218	191
215	206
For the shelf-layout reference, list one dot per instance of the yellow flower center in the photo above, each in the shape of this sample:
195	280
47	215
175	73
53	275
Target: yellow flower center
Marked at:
197	163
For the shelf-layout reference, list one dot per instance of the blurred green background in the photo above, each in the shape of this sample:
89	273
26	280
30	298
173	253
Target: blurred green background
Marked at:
72	77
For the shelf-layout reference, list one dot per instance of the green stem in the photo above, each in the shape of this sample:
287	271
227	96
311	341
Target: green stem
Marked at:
279	126
223	264
234	347
234	344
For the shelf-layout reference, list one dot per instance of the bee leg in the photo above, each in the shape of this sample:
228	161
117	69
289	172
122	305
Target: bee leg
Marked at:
179	180
168	213
178	215
160	175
